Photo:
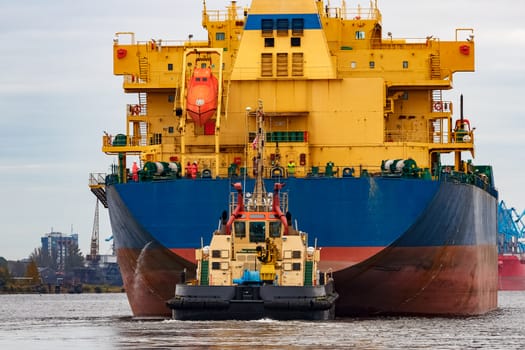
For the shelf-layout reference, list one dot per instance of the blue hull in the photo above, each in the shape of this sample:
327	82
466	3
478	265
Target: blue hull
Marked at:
436	239
355	212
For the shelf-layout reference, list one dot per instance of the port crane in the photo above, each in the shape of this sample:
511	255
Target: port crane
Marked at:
94	255
511	228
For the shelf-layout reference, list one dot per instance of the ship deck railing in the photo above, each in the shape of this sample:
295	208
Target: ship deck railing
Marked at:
97	185
481	182
97	179
358	13
250	202
443	137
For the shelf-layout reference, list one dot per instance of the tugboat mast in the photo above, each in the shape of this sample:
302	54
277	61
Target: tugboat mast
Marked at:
259	192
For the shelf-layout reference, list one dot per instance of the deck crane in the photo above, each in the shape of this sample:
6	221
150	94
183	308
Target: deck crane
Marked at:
94	255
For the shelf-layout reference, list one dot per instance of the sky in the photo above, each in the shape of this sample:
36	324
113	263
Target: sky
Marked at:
58	94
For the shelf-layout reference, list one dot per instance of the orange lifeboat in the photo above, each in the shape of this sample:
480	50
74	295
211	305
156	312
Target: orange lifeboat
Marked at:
201	101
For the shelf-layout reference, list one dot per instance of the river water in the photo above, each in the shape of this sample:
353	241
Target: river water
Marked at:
103	321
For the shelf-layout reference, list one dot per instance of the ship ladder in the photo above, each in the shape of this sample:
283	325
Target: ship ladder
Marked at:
437	106
435	67
143	70
143	102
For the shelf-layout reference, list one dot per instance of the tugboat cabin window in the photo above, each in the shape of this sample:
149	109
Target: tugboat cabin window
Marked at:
275	229
240	229
257	231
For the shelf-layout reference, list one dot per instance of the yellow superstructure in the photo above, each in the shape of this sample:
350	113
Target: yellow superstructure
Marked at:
336	90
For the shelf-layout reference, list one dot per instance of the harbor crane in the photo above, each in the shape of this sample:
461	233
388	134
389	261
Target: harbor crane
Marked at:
94	255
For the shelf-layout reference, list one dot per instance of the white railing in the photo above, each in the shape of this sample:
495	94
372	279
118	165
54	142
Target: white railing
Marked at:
97	179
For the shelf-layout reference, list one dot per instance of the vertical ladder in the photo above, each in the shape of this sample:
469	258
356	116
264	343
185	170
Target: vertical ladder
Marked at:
143	70
143	102
437	98
435	67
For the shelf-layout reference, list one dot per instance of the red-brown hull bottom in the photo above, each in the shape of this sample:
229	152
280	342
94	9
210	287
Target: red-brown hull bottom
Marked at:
449	280
149	277
429	280
511	273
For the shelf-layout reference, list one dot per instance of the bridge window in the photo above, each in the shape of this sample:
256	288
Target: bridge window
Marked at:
295	42
267	27
405	64
297	26
282	27
219	36
275	229
269	42
257	231
240	229
360	35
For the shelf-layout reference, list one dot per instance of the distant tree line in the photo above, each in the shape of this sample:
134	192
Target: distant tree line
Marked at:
4	273
38	259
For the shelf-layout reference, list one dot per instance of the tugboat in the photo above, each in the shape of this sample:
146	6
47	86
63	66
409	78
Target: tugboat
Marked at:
257	264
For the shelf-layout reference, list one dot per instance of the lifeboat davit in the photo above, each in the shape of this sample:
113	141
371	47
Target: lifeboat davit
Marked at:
201	100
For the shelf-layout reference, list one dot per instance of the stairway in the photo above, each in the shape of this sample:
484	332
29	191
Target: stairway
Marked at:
100	193
143	101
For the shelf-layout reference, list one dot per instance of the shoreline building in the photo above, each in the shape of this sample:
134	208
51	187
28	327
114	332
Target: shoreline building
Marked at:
58	246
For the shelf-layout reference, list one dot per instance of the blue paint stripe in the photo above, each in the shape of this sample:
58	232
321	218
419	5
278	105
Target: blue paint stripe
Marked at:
311	20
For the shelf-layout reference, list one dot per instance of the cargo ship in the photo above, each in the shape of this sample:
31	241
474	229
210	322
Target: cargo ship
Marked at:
511	248
377	162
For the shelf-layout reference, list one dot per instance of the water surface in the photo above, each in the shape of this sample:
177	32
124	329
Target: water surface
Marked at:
103	321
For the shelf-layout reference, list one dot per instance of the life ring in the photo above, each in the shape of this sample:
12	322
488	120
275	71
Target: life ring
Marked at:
438	106
137	109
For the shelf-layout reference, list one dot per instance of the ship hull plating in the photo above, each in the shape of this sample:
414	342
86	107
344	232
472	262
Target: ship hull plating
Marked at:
511	272
396	246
